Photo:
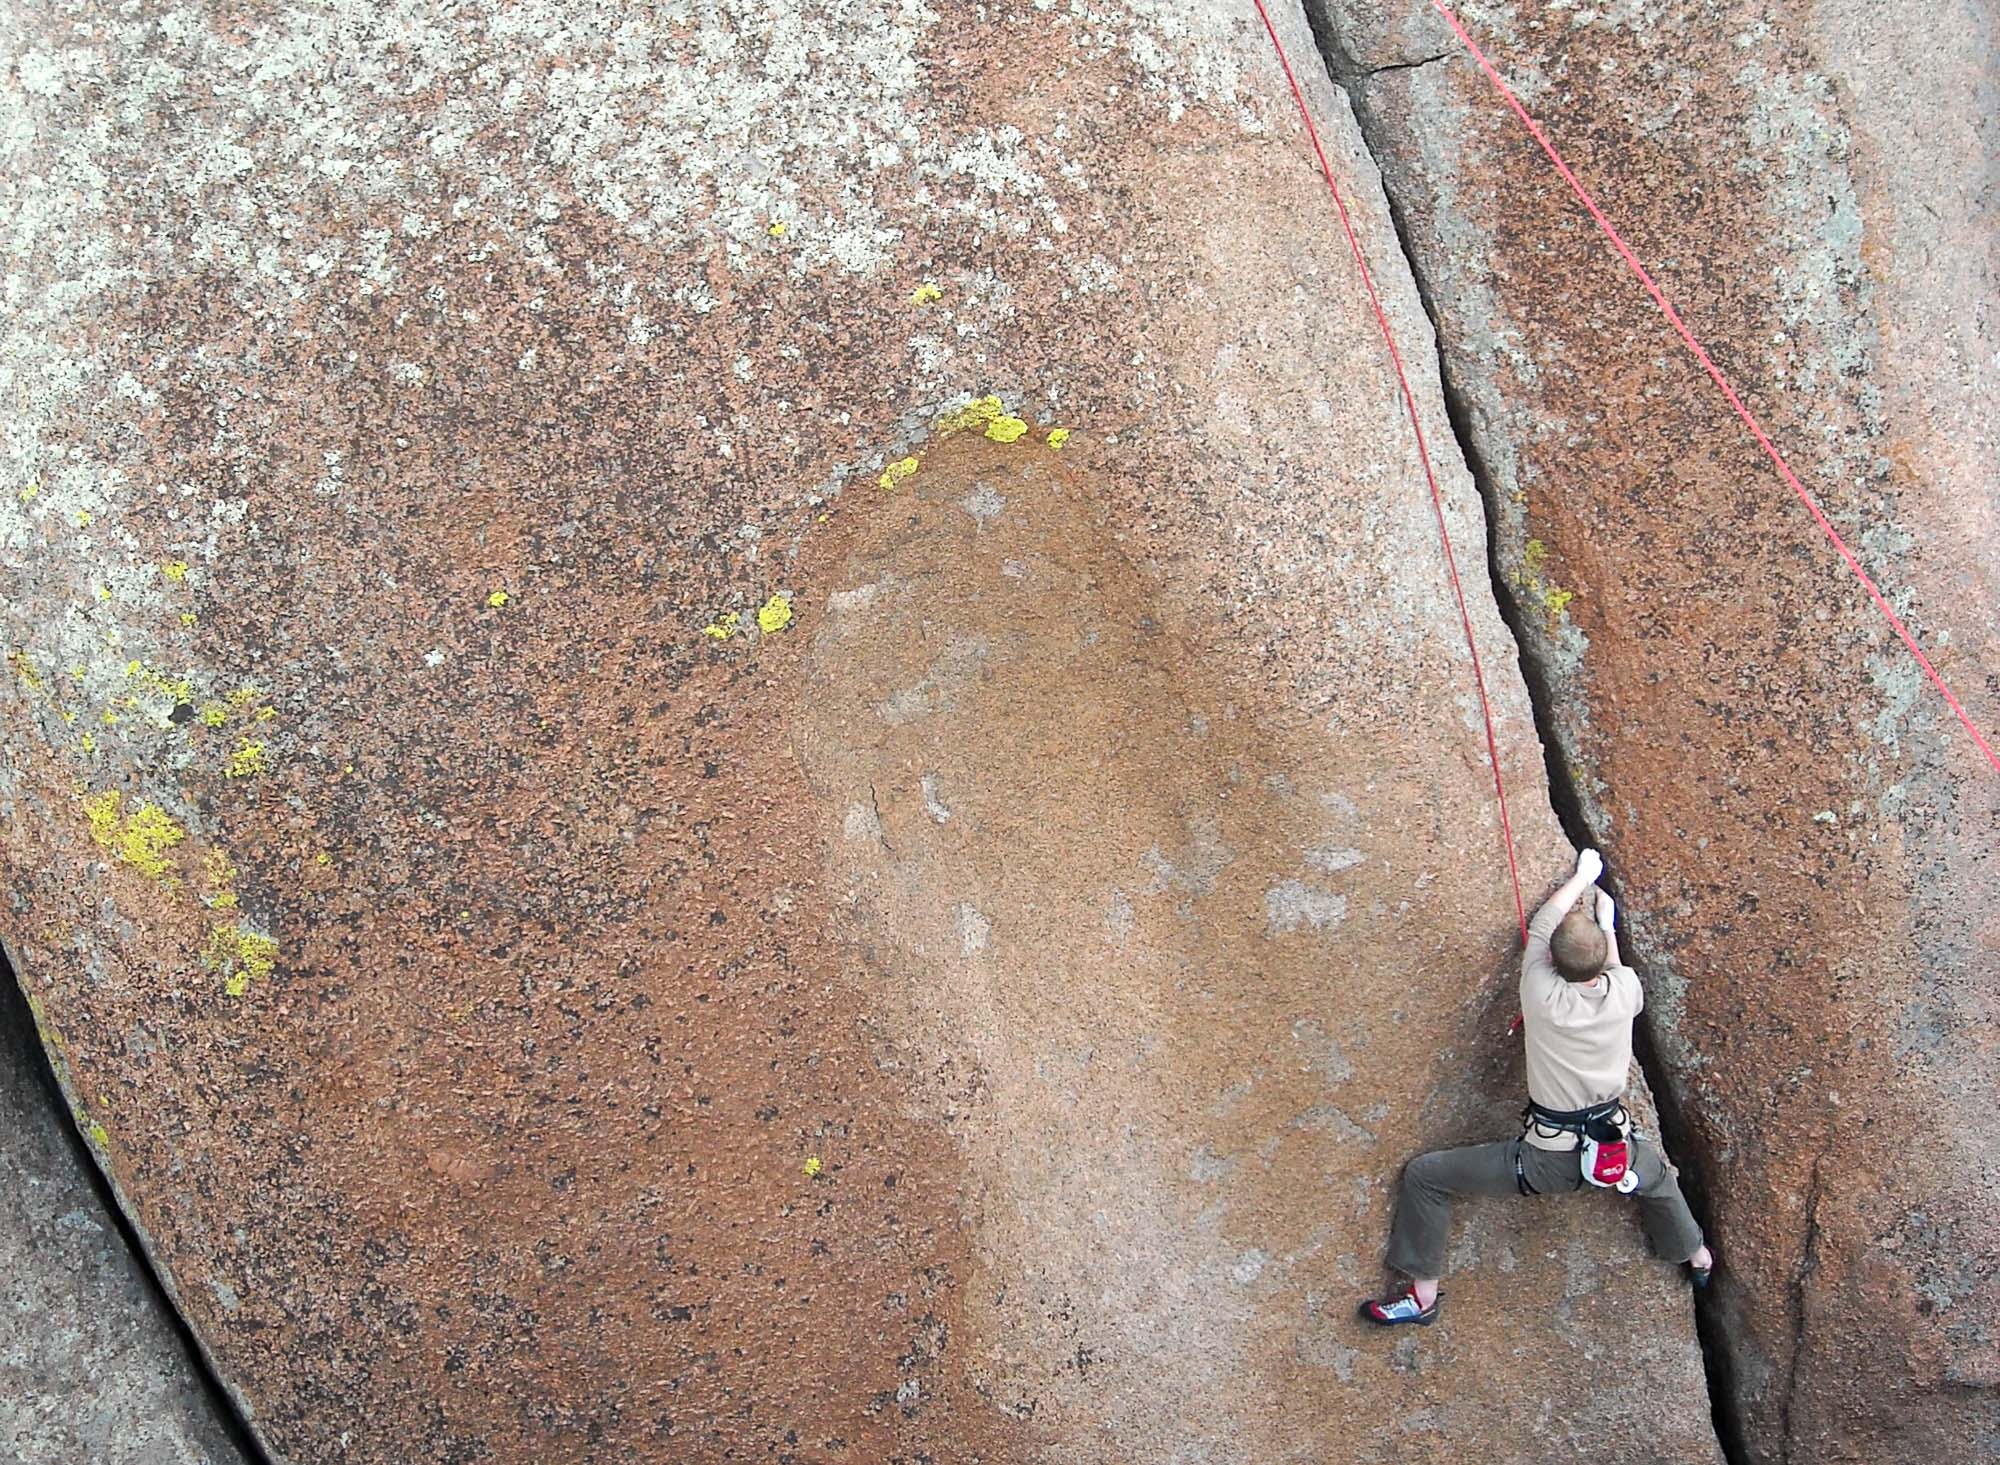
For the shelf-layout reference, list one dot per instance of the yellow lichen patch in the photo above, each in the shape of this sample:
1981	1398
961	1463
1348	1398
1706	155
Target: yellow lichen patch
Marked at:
180	689
212	714
247	759
1552	598
99	1135
497	599
110	718
46	1027
68	714
976	413
104	593
1057	437
175	570
29	493
779	228
1005	429
145	839
241	955
83	518
243	696
187	617
322	858
896	472
140	839
217	869
774	615
723	626
25	670
925	293
88	743
813	1167
102	812
266	713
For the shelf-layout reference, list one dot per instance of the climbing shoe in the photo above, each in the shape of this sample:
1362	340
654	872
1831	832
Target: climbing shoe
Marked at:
1403	1309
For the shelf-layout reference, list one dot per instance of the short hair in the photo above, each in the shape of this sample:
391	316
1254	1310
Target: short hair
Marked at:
1579	947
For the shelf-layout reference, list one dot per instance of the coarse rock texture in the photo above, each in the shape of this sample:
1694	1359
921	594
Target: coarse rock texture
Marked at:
1803	833
488	490
91	1365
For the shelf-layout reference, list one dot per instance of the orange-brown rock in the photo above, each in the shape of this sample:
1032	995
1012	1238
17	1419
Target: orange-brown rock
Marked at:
1802	831
483	509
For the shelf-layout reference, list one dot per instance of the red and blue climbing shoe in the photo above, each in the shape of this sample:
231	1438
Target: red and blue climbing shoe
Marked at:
1403	1309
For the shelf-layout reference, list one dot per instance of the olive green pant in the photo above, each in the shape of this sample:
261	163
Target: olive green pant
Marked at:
1423	1209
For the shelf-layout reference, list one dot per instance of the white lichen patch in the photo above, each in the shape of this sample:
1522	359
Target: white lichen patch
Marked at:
984	503
1292	905
1248	1267
975	931
862	825
1330	857
933	805
1118	916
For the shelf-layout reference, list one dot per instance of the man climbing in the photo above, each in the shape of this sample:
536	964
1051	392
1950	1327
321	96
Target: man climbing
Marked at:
1577	1003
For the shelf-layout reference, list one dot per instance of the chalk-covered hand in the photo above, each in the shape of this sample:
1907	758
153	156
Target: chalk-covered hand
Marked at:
1590	864
1607	911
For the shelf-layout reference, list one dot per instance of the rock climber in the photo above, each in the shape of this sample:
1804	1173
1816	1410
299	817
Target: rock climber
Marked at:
1577	1004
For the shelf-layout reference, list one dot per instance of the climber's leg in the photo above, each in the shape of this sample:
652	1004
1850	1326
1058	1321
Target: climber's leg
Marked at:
1663	1210
1422	1225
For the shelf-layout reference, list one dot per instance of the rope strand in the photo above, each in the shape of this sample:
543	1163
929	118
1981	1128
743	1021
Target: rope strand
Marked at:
1721	381
1423	454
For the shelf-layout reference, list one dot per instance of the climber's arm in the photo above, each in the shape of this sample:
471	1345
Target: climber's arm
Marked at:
1539	976
1589	865
1607	922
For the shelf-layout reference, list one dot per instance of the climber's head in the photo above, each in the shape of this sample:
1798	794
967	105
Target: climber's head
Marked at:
1578	946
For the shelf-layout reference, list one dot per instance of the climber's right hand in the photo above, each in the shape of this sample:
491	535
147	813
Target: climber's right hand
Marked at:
1589	864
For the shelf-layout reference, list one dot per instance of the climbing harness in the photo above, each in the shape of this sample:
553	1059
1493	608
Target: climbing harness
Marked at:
1604	1136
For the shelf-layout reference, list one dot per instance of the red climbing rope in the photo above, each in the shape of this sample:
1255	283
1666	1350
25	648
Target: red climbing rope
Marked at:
1715	374
1423	454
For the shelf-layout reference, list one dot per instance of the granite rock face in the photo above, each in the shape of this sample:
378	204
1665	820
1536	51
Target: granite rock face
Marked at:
1804	835
91	1367
733	730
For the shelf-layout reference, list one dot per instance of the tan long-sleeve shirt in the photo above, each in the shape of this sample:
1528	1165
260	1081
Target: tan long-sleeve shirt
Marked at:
1579	1034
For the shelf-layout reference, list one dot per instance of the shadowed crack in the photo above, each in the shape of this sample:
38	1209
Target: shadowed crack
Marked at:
1808	1263
1399	65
